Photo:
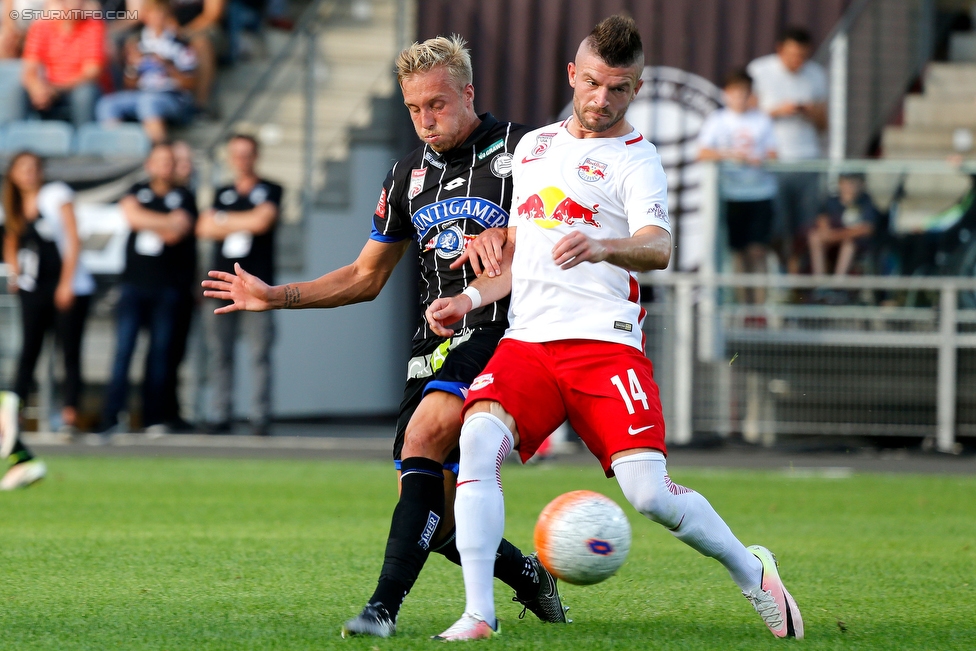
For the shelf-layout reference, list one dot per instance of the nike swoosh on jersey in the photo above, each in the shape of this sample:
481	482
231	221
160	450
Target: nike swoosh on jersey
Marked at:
635	432
526	159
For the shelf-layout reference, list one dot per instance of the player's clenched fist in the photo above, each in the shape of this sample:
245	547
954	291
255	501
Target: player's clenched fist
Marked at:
445	311
245	291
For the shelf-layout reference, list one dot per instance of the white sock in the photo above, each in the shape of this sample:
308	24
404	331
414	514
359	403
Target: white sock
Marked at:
644	480
479	508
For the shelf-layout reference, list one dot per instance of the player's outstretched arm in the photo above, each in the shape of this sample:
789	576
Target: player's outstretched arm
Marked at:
646	250
447	311
355	283
485	251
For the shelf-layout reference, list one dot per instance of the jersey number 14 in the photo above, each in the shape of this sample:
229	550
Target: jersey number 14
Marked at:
636	392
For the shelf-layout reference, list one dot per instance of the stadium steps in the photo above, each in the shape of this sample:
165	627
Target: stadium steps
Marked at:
938	123
353	66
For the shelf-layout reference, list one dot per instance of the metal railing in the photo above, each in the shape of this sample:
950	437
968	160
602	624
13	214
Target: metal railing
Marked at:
885	355
704	357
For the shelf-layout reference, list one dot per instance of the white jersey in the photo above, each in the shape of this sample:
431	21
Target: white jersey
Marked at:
603	187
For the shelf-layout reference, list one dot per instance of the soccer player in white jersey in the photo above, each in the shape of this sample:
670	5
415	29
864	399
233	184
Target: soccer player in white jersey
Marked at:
589	210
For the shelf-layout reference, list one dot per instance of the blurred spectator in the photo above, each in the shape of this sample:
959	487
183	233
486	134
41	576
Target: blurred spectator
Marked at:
42	247
119	30
184	172
63	60
199	22
159	75
793	91
184	175
242	15
242	224
158	264
12	32
844	226
742	137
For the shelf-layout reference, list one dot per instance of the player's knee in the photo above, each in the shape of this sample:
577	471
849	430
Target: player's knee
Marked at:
655	501
484	442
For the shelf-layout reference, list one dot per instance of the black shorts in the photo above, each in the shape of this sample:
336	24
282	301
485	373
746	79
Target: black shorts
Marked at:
749	222
449	365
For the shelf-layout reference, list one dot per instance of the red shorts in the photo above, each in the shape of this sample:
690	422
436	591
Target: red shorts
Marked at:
606	390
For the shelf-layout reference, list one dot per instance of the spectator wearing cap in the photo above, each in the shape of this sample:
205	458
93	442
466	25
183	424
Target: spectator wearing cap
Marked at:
242	226
159	75
63	60
792	90
160	262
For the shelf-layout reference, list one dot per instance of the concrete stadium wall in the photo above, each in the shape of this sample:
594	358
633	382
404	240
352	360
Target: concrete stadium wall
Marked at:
348	361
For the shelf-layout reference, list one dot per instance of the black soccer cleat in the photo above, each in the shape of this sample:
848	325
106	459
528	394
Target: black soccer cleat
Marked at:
375	620
546	604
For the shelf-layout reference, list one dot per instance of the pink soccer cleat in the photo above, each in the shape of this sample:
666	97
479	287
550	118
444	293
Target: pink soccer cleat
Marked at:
469	627
772	601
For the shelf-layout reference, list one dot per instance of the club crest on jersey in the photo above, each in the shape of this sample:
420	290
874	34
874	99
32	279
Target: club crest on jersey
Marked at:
173	200
501	165
258	195
658	211
550	207
481	382
482	211
592	171
416	182
449	243
542	142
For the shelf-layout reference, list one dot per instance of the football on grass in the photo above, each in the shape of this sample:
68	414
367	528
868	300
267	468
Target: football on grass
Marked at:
582	537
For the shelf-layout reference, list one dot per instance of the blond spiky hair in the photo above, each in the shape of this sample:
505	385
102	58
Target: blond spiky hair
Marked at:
439	51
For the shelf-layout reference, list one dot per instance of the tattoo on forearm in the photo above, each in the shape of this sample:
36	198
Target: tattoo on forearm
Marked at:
293	296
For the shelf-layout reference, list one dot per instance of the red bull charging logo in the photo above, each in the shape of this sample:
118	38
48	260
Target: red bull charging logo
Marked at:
550	207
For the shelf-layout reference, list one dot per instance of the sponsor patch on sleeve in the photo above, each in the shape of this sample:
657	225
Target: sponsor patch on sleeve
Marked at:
381	204
659	212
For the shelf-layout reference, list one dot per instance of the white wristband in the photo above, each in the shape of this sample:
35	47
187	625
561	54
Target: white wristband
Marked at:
474	295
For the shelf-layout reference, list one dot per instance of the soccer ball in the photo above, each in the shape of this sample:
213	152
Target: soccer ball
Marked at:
582	537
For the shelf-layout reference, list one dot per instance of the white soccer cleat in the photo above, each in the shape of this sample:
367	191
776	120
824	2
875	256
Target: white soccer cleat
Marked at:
23	475
772	601
469	627
9	427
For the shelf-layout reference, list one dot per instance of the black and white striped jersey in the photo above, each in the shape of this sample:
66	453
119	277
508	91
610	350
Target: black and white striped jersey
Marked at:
444	201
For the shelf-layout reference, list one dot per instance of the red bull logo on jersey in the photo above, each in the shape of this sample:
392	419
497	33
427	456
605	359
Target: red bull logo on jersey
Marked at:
550	207
592	171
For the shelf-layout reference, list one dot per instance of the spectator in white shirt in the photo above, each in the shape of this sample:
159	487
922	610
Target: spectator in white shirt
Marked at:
792	90
741	136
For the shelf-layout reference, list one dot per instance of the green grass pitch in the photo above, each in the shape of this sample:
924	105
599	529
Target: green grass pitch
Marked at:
243	554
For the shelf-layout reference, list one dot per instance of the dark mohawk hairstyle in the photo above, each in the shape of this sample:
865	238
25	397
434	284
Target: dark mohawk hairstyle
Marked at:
617	41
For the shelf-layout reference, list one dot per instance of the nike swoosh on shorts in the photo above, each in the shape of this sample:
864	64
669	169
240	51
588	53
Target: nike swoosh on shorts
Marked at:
635	432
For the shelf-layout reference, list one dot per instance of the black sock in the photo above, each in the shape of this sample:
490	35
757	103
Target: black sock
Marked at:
511	566
448	549
413	529
516	570
20	453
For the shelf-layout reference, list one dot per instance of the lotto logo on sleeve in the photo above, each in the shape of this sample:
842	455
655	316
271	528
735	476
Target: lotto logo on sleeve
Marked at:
550	207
